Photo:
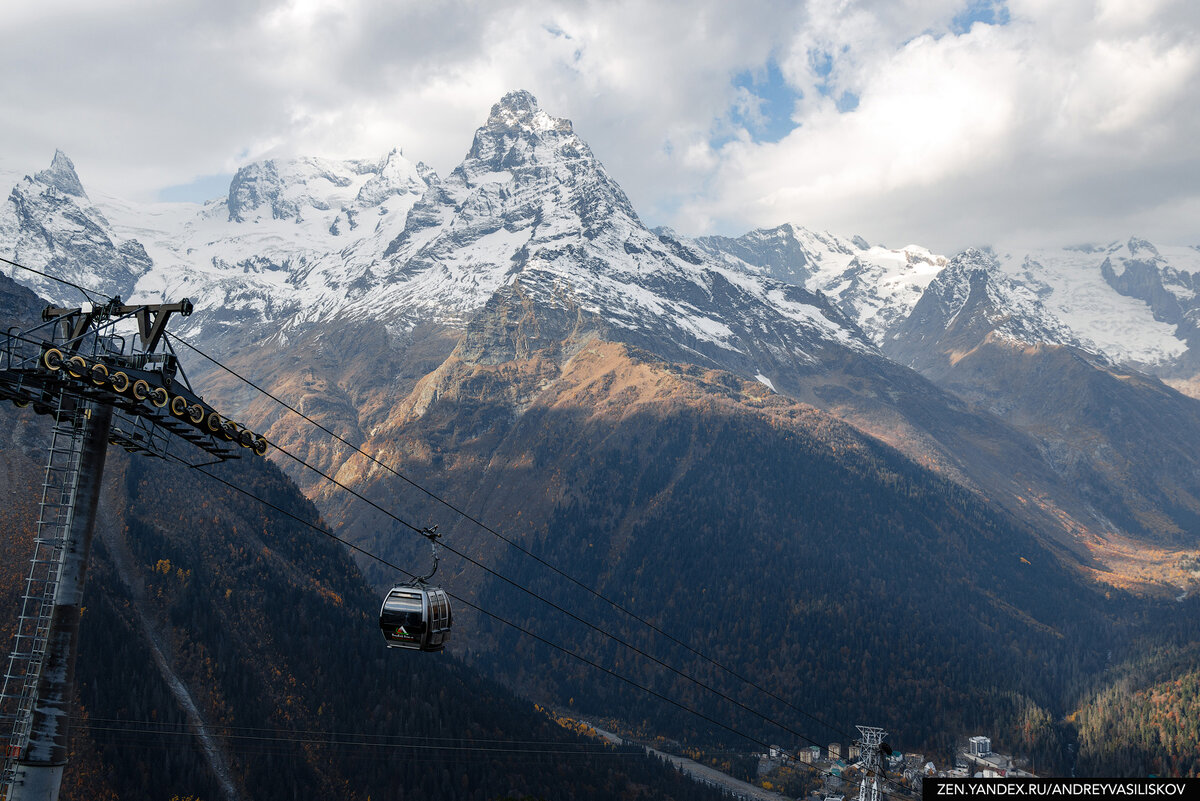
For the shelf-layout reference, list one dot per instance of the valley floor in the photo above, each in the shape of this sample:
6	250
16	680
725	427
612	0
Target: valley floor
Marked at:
701	773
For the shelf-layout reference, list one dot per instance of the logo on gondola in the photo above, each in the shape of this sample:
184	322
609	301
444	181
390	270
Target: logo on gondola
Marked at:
401	632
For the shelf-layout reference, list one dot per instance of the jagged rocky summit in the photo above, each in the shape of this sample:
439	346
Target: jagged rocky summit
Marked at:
49	223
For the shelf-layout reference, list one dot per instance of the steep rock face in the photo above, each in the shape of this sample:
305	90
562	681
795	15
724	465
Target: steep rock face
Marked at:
969	299
788	253
872	285
61	176
531	203
1131	302
1073	286
1139	270
48	222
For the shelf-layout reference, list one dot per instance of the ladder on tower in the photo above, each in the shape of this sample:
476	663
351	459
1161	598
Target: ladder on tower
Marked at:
56	511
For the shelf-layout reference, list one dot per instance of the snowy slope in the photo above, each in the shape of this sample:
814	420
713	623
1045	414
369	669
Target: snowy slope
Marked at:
48	222
276	248
1132	302
1070	286
974	293
875	286
302	241
530	209
530	204
309	241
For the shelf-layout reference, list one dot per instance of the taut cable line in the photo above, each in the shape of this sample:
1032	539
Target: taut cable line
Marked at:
617	605
505	621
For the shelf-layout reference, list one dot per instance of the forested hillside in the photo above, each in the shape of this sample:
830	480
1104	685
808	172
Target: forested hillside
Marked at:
1143	715
273	632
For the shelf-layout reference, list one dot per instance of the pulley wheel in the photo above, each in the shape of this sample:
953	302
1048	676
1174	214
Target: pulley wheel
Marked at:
141	390
213	422
179	406
120	381
53	359
99	374
77	366
159	397
260	446
196	414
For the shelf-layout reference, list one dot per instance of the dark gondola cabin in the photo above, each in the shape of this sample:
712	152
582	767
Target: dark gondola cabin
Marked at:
416	617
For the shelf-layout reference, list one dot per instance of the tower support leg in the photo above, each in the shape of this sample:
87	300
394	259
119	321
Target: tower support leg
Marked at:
39	771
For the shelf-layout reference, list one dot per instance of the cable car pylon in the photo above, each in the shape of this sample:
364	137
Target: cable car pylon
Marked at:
105	373
871	741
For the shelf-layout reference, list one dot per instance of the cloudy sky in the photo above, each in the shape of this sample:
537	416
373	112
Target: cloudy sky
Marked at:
943	122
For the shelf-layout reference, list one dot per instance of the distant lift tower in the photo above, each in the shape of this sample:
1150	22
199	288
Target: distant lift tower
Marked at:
871	739
103	372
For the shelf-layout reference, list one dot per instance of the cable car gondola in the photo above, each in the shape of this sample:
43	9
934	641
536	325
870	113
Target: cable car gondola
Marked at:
415	615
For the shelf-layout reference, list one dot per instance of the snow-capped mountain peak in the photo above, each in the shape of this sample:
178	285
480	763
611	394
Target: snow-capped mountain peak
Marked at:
974	281
531	208
294	189
1126	301
62	176
518	112
299	241
873	285
396	176
48	222
530	215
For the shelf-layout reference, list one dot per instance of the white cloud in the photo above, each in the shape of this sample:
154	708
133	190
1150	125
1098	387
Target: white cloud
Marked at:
1076	120
1061	123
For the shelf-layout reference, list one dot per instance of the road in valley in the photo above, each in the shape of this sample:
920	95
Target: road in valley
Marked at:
700	773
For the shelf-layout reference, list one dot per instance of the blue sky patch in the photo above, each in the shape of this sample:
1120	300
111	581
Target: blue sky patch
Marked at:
821	62
989	12
206	187
776	102
847	101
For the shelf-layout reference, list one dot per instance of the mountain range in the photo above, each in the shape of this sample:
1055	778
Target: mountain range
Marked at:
998	448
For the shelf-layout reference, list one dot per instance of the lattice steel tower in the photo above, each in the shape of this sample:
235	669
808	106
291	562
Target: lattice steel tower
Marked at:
870	738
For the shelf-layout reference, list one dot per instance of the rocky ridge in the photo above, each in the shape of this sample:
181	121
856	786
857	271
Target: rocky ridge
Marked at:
49	223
